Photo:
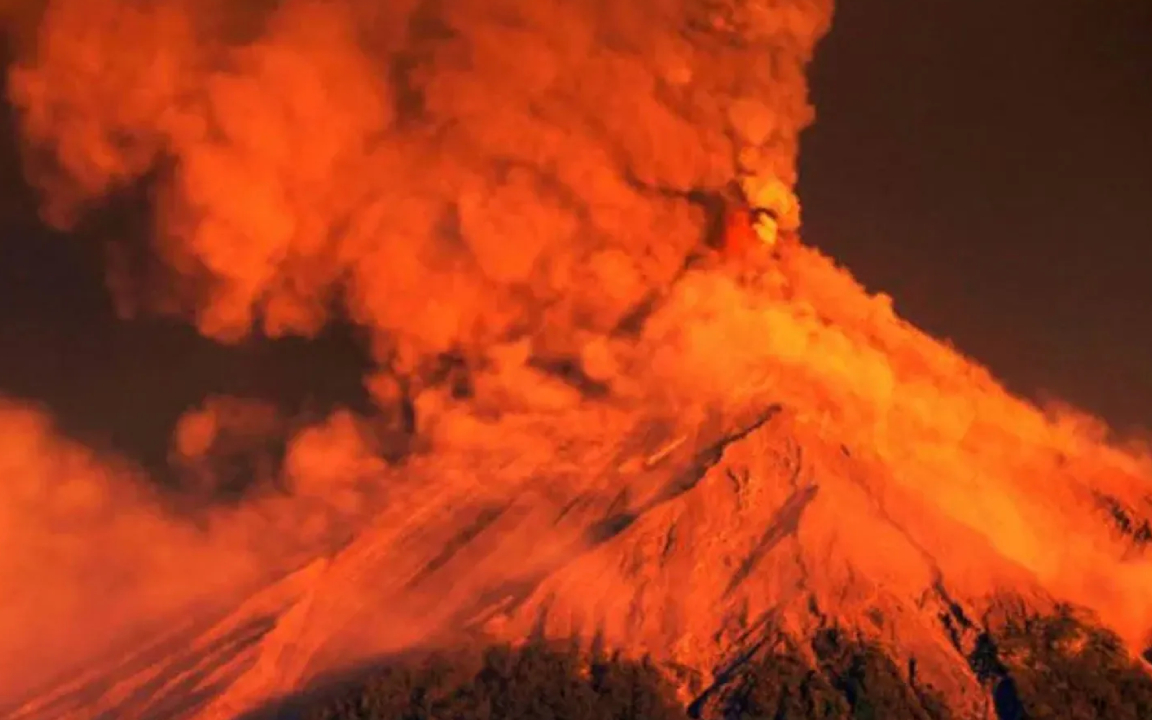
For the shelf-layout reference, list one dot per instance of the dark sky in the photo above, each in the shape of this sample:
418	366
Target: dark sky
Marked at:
122	385
988	163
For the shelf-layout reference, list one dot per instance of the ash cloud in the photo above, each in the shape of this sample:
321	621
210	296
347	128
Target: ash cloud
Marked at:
449	175
487	189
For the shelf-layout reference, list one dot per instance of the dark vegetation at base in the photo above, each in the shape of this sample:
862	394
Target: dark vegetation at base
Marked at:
549	682
854	680
778	685
1062	667
874	686
1040	668
536	682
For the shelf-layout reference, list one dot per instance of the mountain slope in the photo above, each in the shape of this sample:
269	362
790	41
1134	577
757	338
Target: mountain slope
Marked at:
696	536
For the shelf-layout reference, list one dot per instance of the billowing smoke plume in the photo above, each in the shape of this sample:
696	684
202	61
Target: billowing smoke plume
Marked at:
95	555
451	175
489	189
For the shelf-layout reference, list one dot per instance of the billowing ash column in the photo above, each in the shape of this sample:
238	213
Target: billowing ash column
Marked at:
450	176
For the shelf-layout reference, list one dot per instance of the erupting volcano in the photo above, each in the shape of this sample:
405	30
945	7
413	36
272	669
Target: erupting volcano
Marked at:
616	401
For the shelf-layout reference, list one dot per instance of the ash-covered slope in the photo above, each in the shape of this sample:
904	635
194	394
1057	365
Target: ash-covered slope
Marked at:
588	425
702	536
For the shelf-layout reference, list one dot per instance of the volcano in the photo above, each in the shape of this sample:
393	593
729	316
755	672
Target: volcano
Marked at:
620	411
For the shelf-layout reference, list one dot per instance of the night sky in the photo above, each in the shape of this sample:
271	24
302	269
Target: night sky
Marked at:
988	164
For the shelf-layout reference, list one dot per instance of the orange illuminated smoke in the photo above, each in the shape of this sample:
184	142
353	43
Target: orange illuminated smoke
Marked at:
740	236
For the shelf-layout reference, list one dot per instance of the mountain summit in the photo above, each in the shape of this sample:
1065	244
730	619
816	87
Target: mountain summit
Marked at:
617	405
